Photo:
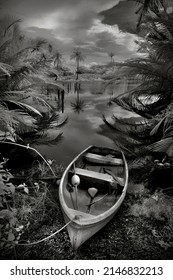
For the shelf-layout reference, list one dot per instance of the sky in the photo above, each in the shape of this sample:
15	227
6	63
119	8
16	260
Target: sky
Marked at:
98	27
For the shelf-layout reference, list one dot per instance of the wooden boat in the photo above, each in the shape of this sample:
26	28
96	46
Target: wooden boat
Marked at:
103	174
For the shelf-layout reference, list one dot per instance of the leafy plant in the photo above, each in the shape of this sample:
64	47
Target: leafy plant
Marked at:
10	227
22	109
150	79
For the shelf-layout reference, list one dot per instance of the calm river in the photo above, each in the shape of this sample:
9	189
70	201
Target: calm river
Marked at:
84	119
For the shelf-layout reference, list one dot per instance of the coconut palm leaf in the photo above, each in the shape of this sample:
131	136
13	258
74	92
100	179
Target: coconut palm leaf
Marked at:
5	120
165	126
157	127
38	43
150	97
38	82
39	103
169	133
52	121
164	145
22	122
146	6
32	98
77	55
141	134
6	69
23	107
26	107
15	122
7	23
46	137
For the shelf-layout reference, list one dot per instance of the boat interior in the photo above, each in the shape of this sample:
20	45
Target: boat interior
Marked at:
101	176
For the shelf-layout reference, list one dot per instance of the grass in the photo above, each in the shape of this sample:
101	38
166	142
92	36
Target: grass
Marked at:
158	208
27	202
138	231
142	229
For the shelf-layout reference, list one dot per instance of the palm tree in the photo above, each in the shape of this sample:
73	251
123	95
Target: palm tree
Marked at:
22	109
153	75
58	60
78	56
111	54
147	6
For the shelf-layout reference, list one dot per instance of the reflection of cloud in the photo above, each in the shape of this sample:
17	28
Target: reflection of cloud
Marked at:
95	121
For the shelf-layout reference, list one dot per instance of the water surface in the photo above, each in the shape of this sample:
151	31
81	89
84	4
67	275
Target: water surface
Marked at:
84	121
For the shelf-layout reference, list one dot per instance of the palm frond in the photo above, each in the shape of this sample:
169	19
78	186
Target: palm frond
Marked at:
164	145
45	137
32	98
148	6
6	28
38	82
52	121
5	120
26	107
157	127
77	55
140	134
6	69
23	122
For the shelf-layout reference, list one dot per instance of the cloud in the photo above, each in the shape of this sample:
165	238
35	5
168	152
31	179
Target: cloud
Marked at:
113	34
109	38
123	14
39	7
84	23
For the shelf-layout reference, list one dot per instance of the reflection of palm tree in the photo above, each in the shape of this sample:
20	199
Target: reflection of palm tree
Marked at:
78	56
79	105
58	60
111	54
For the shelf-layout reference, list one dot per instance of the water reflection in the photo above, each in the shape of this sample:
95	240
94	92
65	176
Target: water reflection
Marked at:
83	103
111	97
78	105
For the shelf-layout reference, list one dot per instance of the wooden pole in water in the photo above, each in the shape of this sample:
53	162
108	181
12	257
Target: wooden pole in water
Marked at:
62	101
58	91
47	90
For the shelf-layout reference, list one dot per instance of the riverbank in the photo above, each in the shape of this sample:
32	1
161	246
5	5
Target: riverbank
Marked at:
83	77
140	230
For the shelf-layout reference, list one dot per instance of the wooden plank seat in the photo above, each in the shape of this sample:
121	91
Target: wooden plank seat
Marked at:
95	175
107	160
99	176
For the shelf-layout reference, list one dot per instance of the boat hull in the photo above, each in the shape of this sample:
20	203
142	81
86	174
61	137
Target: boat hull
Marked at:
78	234
83	224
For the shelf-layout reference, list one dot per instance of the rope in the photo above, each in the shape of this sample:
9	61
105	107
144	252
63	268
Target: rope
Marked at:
46	238
32	149
91	203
